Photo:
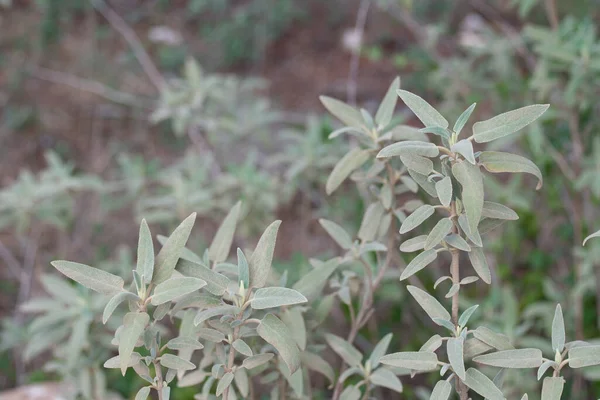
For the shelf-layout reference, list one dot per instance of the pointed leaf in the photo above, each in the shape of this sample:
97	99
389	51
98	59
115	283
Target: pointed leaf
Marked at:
417	218
133	326
257	360
507	123
470	179
498	211
221	244
415	360
418	263
454	348
343	112
145	253
443	187
558	330
431	306
371	222
349	353
353	160
92	278
224	383
260	262
519	358
337	233
277	334
483	385
414	244
493	339
167	257
462	120
428	115
385	378
276	297
243	269
495	162
380	350
242	347
216	283
457	242
318	364
385	112
114	302
351	393
143	393
174	362
438	233
466	315
593	235
204	315
441	391
174	288
552	388
464	148
183	343
409	148
480	265
311	284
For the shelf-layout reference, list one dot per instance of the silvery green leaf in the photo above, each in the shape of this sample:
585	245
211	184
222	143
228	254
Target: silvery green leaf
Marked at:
472	235
464	317
470	178
214	312
415	360
434	343
584	356
92	278
519	358
221	244
342	111
294	320
212	335
318	364
277	334
409	148
337	233
413	244
423	182
440	280
525	397
167	257
243	271
473	347
262	257
417	163
145	253
464	148
186	253
593	235
558	330
242	347
386	196
173	288
417	218
385	112
498	211
463	118
242	382
276	297
576	343
457	242
436	130
428	115
143	393
507	123
349	353
216	283
182	343
351	393
224	383
311	284
454	347
431	306
491	338
441	391
115	362
481	384
114	302
385	378
418	263
445	323
370	222
134	324
371	246
353	160
438	233
552	388
469	279
174	362
410	184
480	265
257	360
495	162
443	187
380	350
166	393
544	367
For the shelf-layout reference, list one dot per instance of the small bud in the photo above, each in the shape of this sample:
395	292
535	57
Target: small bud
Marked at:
557	357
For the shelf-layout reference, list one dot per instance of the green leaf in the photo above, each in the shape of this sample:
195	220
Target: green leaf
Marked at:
558	330
277	334
342	111
224	383
409	148
441	391
480	264
294	320
498	211
174	362
350	393
370	222
242	347
457	241
262	257
353	160
216	283
418	263
115	362
114	302
221	244
493	339
184	343
454	347
519	358
473	236
462	120
311	284
167	257
415	360
544	367
431	306
443	187
438	233
174	288
133	326
417	218
243	270
204	315
423	182
143	393
385	112
417	163
552	388
584	356
349	353
481	384
470	179
507	123
465	148
212	335
318	364
242	382
387	379
464	318
496	161
474	347
436	130
92	278
257	360
276	297
380	350
413	244
145	253
428	115
337	233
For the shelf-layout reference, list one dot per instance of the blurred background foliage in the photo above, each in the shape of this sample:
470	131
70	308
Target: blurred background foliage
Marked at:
95	134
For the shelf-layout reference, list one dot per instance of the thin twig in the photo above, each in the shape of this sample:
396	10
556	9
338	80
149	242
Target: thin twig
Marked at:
361	20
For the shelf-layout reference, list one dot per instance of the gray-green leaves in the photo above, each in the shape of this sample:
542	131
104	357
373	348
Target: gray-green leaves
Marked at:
418	263
584	356
385	112
349	353
520	358
441	391
552	388
483	385
277	334
455	356
175	287
496	161
276	297
558	330
145	253
167	257
343	112
417	218
344	167
415	360
443	187
507	123
428	115
133	326
409	148
471	181
262	257
438	233
337	233
431	306
92	278
221	244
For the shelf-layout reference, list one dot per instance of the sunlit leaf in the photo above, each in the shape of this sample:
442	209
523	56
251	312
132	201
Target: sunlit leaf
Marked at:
92	278
428	115
221	244
262	257
507	123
